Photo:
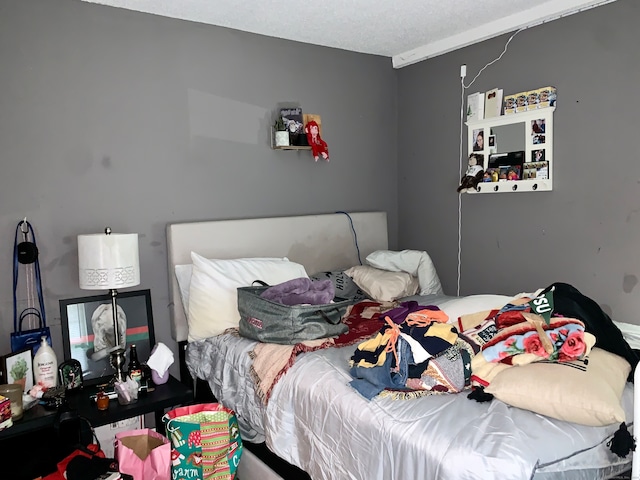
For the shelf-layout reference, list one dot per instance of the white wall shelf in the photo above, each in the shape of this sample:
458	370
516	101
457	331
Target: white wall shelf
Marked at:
511	133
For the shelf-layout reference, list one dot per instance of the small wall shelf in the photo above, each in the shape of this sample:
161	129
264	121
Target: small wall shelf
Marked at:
285	147
530	132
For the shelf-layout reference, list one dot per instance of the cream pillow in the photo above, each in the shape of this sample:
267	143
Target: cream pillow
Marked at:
417	263
213	296
568	391
471	304
382	285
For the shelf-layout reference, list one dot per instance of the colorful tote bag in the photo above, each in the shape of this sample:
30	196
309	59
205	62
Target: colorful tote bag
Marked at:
205	442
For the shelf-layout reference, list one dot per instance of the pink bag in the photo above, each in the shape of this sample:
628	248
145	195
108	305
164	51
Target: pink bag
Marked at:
145	454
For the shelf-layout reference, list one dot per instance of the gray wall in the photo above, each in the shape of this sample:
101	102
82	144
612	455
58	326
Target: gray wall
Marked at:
115	118
586	231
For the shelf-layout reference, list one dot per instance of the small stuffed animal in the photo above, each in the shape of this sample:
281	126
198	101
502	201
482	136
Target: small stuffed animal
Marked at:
318	146
473	175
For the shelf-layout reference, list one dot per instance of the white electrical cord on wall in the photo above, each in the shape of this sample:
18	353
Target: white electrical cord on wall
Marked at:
463	74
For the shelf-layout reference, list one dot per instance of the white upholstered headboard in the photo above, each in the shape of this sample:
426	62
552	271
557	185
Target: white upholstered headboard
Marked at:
319	242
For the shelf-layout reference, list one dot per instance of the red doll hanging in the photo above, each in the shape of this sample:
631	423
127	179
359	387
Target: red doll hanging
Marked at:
318	146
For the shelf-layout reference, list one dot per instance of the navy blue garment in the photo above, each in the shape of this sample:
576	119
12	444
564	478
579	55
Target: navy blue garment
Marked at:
370	381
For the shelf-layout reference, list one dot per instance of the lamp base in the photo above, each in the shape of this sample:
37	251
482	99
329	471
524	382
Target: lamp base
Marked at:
118	359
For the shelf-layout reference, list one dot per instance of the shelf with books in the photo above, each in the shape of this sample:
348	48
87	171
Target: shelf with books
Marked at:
516	151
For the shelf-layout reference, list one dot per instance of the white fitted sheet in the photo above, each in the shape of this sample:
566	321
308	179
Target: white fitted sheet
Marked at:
317	421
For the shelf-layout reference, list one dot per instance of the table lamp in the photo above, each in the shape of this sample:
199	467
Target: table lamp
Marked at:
110	261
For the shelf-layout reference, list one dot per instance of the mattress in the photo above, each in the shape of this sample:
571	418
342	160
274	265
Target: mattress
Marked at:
317	421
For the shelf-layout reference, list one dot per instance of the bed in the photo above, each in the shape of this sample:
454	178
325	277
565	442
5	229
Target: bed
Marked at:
315	420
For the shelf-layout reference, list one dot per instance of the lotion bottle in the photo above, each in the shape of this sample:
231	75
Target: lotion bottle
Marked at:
45	365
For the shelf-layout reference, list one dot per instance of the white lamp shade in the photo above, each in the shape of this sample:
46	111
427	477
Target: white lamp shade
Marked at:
108	261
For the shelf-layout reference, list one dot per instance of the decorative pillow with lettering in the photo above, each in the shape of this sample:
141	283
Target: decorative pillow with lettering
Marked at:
343	284
586	392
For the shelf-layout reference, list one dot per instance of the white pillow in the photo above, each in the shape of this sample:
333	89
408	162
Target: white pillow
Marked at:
383	285
213	297
414	262
459	306
183	276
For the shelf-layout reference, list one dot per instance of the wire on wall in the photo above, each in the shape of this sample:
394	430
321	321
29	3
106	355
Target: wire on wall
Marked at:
355	235
462	98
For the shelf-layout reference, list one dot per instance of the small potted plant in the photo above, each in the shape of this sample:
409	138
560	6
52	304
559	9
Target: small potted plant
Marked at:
19	372
281	132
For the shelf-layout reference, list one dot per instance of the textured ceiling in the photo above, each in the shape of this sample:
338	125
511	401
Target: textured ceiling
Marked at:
405	30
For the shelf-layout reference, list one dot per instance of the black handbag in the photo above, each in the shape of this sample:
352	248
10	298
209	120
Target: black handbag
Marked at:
26	253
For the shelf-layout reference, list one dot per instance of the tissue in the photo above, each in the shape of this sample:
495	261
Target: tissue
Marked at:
160	360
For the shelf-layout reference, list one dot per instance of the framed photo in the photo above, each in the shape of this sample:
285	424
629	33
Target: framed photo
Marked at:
87	331
17	367
70	374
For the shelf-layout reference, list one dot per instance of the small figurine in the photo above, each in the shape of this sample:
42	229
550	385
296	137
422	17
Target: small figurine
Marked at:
318	146
473	175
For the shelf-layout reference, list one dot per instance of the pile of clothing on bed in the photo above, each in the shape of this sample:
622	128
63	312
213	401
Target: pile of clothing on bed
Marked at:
418	352
421	351
513	352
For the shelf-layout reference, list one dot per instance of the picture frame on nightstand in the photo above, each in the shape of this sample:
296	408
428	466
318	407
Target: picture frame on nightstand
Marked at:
70	374
79	316
17	367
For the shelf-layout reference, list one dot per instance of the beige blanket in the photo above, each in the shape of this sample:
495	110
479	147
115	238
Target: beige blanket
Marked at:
271	361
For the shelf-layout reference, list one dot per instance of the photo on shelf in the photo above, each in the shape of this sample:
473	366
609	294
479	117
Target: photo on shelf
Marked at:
478	140
538	139
538	126
506	172
493	148
547	97
537	170
521	102
538	155
532	100
509	104
514	172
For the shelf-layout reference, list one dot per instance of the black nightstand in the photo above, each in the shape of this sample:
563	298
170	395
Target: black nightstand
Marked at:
33	443
167	395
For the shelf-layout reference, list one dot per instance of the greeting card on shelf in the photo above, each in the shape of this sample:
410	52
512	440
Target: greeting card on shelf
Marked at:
294	122
493	103
475	106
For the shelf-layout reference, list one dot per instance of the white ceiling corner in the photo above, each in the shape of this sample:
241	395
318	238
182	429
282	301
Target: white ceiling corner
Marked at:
408	31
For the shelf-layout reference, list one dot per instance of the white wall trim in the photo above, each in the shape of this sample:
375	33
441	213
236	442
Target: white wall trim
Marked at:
532	17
